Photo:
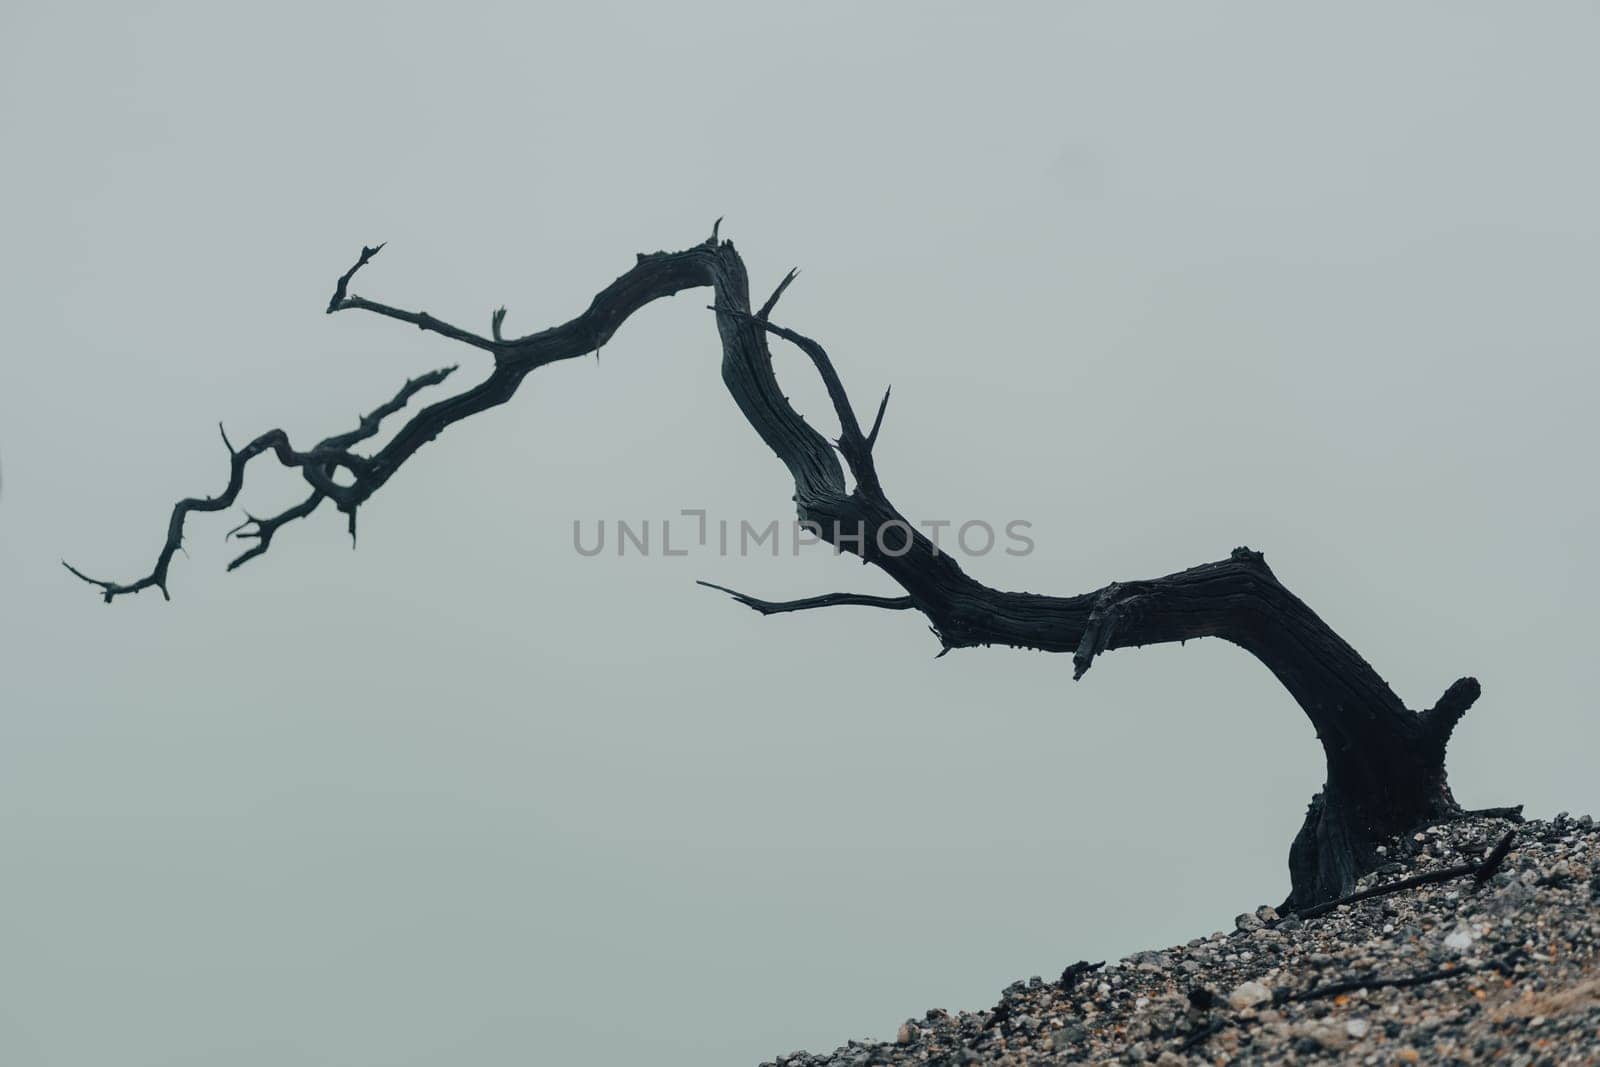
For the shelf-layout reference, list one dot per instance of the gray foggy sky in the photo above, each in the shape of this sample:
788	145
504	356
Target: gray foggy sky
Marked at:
1158	280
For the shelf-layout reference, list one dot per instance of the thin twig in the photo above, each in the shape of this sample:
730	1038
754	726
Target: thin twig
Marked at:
877	423
1482	871
772	301
1402	981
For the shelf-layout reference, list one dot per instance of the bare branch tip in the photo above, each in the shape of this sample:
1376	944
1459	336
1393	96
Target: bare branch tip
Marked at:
877	423
81	575
342	288
772	301
720	588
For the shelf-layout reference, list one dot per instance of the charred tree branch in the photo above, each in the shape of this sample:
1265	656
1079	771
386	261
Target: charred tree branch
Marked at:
1385	761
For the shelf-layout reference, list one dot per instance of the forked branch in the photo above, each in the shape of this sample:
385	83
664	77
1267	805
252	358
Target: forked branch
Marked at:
318	467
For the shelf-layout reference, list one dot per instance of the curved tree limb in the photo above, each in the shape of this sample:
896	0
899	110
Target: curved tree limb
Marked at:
826	600
1385	762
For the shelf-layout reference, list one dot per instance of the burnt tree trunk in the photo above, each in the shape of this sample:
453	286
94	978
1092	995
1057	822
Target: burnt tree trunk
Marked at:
1385	762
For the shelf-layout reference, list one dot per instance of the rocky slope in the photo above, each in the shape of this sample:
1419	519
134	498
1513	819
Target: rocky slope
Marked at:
1503	968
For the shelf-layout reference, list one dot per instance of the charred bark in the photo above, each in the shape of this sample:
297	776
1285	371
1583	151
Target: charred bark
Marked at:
1385	762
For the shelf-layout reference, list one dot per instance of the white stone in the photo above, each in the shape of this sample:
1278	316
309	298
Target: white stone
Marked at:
1248	995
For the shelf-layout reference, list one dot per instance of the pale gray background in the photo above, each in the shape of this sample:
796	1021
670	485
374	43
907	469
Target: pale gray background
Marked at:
1162	280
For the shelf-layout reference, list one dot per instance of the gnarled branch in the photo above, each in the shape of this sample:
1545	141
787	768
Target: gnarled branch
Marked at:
1385	762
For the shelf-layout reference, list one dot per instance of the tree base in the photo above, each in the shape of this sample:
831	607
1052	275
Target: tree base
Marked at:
1337	845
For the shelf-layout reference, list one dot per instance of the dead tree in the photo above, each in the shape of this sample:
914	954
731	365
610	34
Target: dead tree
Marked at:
1386	771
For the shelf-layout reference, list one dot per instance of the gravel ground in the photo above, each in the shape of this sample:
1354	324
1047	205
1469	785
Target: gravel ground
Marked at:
1506	970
